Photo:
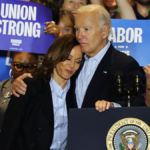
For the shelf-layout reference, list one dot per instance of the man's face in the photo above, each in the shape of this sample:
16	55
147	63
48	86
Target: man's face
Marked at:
144	2
88	33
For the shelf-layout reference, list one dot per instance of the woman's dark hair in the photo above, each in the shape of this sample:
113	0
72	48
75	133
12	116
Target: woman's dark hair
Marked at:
49	4
57	52
62	1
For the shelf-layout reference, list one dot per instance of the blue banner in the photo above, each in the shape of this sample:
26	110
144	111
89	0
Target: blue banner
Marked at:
133	38
21	26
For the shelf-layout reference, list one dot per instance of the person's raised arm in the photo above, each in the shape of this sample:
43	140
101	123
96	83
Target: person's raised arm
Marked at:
125	9
147	72
52	28
19	87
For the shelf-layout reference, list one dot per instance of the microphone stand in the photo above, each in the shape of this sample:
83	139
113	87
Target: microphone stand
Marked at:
128	92
129	98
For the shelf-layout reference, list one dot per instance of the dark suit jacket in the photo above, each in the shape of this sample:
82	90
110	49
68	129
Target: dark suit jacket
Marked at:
5	87
101	86
29	120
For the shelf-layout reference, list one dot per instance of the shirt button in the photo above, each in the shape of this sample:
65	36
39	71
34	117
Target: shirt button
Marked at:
61	113
59	128
59	142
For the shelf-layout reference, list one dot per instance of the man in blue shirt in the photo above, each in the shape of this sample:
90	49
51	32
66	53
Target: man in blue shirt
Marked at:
95	81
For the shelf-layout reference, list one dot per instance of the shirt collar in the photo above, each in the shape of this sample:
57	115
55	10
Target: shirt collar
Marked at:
100	54
57	89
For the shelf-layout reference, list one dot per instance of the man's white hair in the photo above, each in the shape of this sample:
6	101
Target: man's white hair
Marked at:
104	16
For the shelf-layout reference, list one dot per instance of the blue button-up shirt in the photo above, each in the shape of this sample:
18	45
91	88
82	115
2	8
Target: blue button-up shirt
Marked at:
86	75
60	115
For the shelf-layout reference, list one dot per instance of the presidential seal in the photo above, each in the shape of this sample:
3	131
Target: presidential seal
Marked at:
129	134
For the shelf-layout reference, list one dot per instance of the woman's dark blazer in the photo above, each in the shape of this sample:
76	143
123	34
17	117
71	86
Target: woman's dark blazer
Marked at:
29	119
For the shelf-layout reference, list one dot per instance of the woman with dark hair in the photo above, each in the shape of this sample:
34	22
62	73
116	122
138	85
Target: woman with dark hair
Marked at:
73	5
66	23
39	119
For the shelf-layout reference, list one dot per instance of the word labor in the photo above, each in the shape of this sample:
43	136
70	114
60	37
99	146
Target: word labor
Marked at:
25	24
129	35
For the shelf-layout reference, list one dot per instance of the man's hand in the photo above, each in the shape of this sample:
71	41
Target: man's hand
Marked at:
102	105
19	86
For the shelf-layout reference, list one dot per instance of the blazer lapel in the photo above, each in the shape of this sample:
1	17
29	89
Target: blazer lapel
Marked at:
46	101
99	77
68	101
45	96
73	95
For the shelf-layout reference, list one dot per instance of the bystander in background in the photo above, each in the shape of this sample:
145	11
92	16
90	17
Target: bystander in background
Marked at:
66	23
21	63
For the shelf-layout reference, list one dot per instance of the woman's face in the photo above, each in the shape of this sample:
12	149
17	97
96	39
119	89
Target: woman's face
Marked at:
110	3
64	29
20	60
73	5
67	68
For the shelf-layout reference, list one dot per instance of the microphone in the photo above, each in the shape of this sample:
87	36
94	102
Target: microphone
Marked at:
137	77
118	77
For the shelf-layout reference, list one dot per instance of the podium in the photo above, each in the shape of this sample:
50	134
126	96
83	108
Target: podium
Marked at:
90	129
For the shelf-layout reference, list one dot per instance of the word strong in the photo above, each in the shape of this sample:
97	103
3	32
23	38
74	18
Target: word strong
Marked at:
23	23
129	35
